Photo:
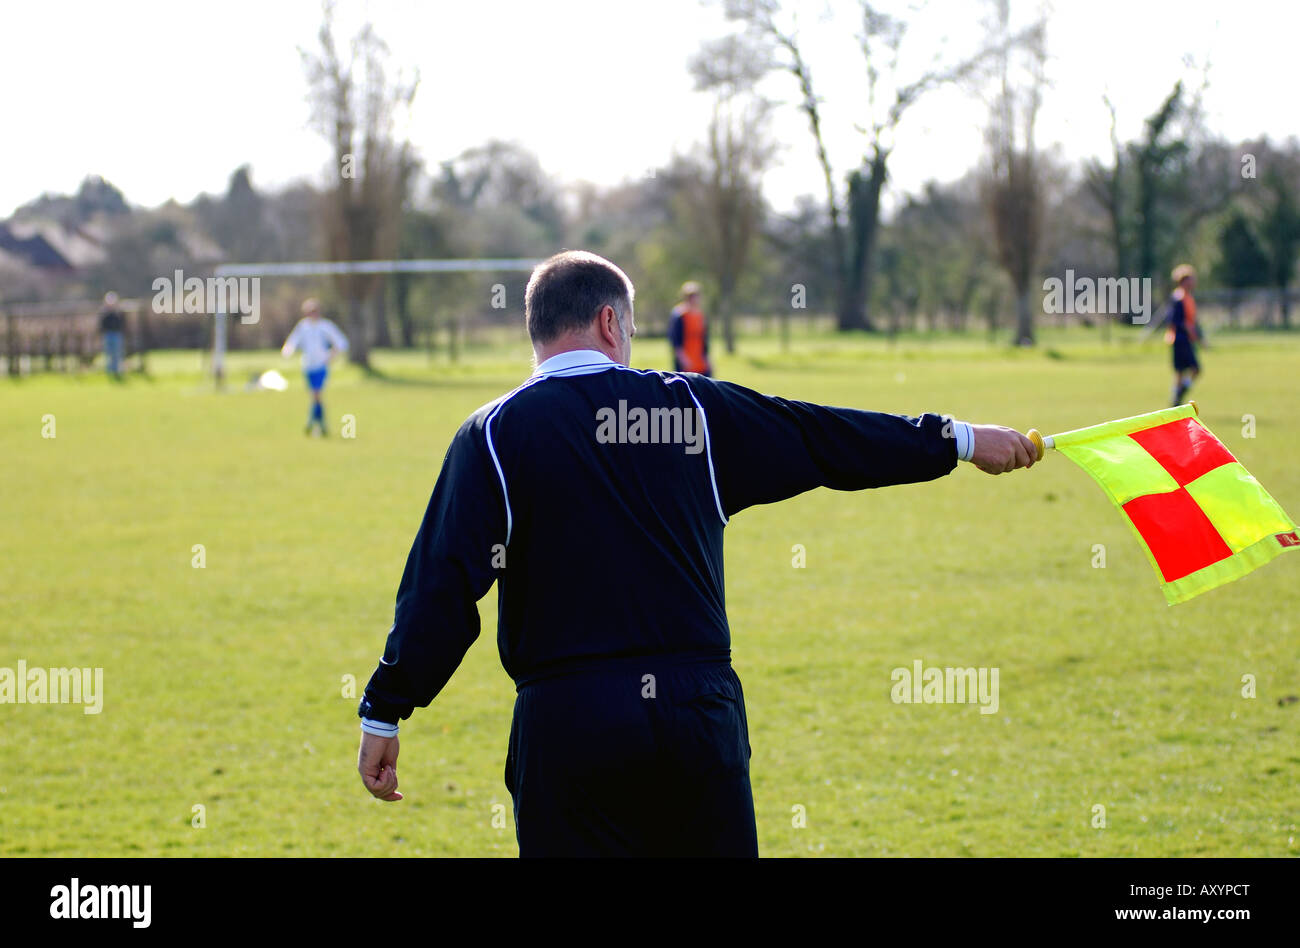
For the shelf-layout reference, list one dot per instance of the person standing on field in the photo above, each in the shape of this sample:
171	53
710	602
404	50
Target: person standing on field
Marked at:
1182	332
630	735
688	333
112	324
320	341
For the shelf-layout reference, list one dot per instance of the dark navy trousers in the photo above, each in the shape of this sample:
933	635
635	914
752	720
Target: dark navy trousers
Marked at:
641	757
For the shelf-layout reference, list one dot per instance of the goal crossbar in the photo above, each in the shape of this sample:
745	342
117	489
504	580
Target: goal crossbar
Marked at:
330	268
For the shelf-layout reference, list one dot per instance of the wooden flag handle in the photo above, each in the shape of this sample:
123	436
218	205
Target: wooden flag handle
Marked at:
1037	439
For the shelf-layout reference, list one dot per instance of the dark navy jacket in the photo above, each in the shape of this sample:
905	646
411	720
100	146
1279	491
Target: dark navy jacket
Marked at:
595	496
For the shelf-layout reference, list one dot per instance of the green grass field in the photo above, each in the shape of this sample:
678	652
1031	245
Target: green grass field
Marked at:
224	686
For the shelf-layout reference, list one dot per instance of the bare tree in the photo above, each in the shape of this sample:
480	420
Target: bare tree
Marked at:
1106	186
726	202
1013	190
1158	189
855	216
354	106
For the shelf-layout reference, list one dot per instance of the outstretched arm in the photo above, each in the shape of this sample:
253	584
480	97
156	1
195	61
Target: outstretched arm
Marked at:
1166	319
291	344
766	448
338	341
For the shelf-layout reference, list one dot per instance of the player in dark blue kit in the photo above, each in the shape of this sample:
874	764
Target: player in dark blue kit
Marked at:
595	497
1183	332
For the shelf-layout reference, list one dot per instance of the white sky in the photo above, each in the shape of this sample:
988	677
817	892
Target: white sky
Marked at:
167	99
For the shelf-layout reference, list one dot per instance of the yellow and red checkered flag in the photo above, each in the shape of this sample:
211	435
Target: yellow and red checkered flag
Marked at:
1201	517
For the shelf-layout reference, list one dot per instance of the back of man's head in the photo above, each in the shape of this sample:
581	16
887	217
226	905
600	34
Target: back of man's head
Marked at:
566	292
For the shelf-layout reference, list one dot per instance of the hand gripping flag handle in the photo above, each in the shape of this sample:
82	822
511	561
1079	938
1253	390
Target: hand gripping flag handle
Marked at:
1043	442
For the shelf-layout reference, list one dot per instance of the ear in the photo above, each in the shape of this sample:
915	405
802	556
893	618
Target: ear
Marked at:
607	327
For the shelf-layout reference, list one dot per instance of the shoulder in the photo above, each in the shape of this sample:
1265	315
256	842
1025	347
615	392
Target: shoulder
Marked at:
712	393
704	383
477	423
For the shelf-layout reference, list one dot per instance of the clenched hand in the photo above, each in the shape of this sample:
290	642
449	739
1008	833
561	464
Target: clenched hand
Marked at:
999	450
377	764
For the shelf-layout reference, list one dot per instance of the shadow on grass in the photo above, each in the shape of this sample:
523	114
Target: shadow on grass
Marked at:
477	378
81	378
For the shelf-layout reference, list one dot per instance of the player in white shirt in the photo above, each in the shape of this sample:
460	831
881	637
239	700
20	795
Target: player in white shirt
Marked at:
319	341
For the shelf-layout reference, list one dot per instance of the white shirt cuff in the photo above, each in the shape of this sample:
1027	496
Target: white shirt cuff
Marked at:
965	437
378	728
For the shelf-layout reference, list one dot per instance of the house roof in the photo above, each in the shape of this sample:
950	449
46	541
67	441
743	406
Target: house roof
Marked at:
34	250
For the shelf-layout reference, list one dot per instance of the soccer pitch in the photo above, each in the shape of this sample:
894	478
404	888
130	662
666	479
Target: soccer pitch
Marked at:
228	726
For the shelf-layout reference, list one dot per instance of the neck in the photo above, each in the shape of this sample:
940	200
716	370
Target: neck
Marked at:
545	351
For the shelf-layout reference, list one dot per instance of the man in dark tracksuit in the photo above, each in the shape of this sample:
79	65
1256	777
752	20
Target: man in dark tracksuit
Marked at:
595	496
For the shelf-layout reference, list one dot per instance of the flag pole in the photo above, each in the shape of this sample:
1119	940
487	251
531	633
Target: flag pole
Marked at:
1043	442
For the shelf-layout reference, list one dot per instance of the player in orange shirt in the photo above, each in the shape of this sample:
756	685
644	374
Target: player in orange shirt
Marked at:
688	333
1183	333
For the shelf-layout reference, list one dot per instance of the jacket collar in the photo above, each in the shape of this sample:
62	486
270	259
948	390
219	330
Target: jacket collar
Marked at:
590	359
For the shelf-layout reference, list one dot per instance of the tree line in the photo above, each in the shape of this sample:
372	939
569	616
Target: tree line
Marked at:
970	251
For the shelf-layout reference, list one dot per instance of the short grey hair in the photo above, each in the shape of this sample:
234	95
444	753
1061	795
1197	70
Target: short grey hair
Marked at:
566	292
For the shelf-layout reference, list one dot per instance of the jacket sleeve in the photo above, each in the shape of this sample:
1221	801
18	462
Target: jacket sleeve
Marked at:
451	566
764	448
291	344
1177	315
676	336
337	339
